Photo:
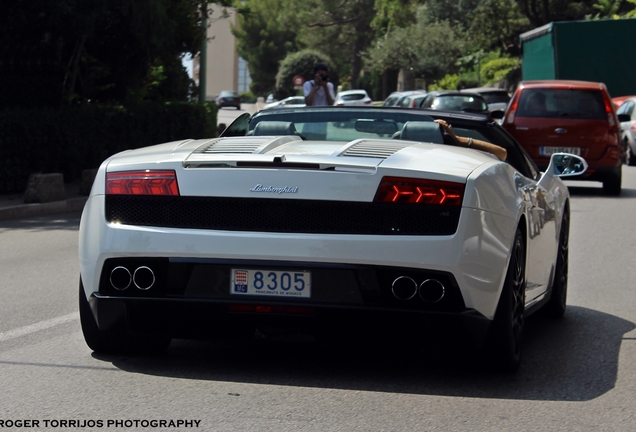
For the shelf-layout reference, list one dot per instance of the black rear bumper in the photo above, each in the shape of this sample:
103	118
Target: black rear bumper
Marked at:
206	319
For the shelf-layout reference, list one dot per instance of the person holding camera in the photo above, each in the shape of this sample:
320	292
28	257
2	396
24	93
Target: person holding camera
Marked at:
319	91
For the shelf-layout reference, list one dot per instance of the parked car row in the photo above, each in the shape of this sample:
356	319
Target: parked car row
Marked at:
357	97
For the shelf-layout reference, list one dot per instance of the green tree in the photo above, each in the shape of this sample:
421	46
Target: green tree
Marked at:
435	53
263	40
300	63
497	24
540	12
98	50
341	29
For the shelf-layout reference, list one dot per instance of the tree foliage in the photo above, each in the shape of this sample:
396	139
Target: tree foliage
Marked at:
263	40
300	63
99	50
540	12
435	54
340	28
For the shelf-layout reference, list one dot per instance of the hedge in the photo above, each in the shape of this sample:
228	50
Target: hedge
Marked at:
71	139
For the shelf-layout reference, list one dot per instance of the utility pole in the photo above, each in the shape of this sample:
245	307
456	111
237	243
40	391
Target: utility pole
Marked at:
203	54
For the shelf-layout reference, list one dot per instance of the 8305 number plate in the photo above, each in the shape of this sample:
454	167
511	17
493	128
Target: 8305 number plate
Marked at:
274	283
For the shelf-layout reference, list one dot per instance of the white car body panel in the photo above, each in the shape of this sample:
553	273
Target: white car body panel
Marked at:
476	255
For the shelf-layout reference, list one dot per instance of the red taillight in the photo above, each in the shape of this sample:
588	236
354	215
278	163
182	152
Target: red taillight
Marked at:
609	109
633	127
513	109
142	183
368	101
416	191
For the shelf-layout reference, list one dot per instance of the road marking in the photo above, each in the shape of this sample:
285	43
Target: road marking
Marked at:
42	325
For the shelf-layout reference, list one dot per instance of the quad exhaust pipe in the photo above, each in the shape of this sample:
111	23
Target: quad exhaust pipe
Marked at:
406	288
142	277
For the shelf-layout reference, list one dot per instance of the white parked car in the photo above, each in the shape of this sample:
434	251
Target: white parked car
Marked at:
352	98
385	225
290	102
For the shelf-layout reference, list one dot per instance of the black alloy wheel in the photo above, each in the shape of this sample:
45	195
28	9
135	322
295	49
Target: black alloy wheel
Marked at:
116	341
503	346
555	308
630	159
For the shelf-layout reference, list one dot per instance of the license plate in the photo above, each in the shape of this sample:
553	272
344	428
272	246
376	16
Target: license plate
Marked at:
273	283
548	151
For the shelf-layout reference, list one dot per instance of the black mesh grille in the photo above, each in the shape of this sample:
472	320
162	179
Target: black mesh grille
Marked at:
282	215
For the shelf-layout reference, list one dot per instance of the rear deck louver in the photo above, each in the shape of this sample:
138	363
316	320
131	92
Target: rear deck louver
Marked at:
373	149
248	145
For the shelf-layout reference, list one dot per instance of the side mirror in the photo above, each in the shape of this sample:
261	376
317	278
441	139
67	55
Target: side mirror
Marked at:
567	165
624	118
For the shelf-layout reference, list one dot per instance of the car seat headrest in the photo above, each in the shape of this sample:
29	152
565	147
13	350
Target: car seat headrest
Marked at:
275	128
422	131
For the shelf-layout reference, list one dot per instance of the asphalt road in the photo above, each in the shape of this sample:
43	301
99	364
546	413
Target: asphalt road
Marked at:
578	374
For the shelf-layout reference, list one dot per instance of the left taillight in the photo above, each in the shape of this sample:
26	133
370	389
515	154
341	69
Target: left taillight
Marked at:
146	182
418	191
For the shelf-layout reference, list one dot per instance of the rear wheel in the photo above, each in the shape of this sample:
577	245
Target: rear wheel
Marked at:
555	308
506	333
612	182
630	158
117	341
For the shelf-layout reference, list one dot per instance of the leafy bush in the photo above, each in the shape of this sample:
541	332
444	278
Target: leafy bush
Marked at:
247	97
72	139
300	63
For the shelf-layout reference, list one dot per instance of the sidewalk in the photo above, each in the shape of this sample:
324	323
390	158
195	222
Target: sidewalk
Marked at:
13	206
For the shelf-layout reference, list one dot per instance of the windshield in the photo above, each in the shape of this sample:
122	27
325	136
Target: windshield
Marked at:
333	125
456	103
557	103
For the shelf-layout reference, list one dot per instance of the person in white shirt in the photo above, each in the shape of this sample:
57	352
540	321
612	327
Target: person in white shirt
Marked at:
319	91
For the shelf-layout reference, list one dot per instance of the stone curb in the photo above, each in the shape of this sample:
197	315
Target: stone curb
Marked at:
22	211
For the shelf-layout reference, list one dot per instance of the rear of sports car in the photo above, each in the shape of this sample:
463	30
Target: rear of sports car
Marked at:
207	238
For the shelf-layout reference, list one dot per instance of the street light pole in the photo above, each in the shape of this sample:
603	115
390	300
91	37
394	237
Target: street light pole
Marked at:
203	54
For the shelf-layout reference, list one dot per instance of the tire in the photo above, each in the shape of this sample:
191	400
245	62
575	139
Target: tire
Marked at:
631	157
503	346
556	306
115	341
612	183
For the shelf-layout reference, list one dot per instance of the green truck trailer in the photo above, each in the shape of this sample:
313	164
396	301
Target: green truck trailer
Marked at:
582	50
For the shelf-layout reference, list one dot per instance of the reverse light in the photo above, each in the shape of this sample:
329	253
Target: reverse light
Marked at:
145	182
418	191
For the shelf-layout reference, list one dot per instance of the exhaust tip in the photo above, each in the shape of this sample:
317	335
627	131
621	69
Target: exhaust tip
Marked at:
120	278
404	288
144	278
432	290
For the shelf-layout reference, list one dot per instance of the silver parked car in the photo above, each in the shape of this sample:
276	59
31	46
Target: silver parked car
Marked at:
627	116
357	97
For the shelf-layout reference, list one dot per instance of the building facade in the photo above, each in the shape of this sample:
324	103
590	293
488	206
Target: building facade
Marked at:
225	70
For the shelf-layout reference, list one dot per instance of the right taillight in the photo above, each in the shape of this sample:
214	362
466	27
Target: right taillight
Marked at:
418	191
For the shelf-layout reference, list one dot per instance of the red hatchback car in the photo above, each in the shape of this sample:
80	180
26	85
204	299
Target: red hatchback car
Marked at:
569	116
